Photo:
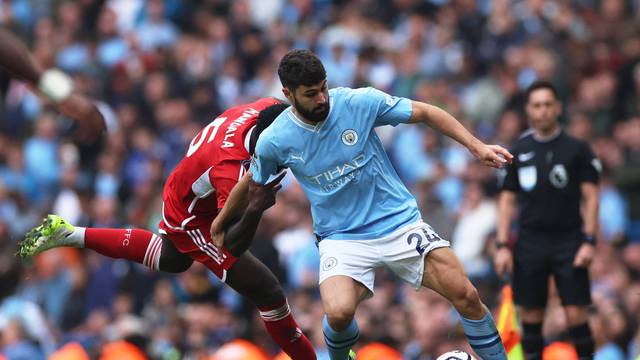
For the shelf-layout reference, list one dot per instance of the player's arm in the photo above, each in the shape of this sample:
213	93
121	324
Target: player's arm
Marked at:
233	209
16	58
262	166
239	234
54	84
491	155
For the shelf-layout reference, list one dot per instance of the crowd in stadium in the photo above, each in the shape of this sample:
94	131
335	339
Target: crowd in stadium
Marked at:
163	69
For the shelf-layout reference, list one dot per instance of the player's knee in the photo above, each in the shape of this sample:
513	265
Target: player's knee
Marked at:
339	315
271	294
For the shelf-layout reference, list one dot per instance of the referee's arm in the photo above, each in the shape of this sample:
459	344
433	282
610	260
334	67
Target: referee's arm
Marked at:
506	209
590	205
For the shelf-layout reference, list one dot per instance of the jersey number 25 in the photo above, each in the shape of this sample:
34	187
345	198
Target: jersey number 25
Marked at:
199	139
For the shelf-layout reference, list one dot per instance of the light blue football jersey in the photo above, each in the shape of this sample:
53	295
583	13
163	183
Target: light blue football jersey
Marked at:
354	191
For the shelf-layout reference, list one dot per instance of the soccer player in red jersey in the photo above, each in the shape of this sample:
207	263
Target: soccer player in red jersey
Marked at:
194	192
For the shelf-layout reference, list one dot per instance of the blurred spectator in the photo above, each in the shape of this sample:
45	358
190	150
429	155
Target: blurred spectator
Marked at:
476	220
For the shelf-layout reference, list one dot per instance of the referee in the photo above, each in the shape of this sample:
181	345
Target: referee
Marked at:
553	176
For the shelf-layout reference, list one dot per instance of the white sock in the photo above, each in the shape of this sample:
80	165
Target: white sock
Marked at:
76	239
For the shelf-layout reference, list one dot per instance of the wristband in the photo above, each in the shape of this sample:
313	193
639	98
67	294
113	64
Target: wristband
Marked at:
55	85
590	239
500	245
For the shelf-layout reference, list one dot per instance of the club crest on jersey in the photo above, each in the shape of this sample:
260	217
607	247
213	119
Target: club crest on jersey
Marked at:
329	263
528	176
559	176
349	137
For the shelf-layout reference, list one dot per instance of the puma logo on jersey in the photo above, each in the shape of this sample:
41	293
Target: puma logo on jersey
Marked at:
298	157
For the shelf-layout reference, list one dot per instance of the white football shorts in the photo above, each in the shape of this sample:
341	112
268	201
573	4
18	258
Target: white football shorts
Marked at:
403	251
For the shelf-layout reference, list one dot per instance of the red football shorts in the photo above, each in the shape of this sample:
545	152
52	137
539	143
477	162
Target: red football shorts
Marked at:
194	239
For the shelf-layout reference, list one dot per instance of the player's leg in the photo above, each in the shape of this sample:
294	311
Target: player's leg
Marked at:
340	297
346	278
137	245
171	259
252	279
444	273
419	256
575	293
531	273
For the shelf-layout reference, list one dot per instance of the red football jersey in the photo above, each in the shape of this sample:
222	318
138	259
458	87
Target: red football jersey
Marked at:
215	160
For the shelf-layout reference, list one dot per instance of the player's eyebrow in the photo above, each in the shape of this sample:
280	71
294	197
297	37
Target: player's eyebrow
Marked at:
313	90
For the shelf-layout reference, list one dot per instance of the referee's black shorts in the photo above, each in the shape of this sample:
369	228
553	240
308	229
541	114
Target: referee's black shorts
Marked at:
540	254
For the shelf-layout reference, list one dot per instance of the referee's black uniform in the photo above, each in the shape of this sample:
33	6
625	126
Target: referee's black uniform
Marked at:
546	175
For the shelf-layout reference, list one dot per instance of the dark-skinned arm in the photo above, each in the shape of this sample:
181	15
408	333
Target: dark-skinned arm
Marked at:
16	58
238	235
57	86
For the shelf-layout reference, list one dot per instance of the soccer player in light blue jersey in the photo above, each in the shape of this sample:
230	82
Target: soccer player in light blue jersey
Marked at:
364	217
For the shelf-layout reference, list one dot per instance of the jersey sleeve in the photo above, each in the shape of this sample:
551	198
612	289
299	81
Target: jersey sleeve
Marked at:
589	166
223	178
264	161
508	177
384	109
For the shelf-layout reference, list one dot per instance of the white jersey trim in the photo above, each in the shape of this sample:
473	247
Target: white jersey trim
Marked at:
247	139
182	225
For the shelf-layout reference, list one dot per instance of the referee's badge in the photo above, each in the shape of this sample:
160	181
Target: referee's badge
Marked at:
349	137
559	176
528	176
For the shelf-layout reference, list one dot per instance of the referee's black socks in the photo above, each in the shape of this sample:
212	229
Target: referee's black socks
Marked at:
583	341
532	341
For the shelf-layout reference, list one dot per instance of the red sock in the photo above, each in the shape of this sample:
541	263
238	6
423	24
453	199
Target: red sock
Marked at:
285	332
138	245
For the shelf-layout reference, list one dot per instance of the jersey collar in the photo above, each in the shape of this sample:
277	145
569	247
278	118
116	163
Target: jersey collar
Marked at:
548	138
247	138
314	128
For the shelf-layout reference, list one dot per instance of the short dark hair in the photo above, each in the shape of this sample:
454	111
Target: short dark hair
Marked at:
265	119
540	84
300	67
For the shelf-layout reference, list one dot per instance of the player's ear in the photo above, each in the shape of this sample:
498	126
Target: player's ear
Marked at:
288	94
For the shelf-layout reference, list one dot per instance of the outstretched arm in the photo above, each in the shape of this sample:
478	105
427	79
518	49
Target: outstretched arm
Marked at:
491	155
54	84
16	58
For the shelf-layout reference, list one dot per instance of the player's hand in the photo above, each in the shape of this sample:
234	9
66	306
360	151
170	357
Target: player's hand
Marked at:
86	113
262	197
503	261
217	232
584	256
493	155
